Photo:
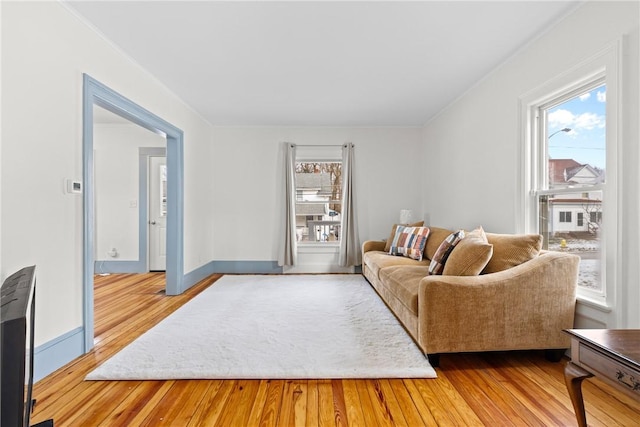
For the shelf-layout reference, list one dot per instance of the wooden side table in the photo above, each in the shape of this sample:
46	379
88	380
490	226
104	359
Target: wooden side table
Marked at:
612	355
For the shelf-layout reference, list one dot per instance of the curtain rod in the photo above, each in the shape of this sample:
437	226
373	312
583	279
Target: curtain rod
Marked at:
320	145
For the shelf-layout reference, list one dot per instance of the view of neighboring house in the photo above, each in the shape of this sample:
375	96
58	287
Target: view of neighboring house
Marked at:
575	212
317	213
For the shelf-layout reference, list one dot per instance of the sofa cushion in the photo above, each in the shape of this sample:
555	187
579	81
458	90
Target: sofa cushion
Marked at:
436	237
387	247
510	250
444	250
376	260
403	282
470	256
409	242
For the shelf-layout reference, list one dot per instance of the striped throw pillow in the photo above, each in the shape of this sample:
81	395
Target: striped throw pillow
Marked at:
444	250
409	242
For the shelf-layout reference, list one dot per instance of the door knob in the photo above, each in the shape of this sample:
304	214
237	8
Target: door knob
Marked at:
152	222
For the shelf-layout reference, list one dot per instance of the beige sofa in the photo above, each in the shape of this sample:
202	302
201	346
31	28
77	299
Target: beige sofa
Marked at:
524	306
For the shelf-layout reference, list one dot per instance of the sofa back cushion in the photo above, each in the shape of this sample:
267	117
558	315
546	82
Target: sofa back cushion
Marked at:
510	250
470	256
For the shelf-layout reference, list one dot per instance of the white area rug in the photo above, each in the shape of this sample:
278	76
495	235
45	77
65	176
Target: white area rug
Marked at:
268	327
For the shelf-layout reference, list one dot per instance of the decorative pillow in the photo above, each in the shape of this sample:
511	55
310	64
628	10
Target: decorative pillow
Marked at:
387	247
444	250
469	256
436	237
510	250
409	241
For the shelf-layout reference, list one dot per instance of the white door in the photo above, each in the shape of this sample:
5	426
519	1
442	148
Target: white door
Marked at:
157	213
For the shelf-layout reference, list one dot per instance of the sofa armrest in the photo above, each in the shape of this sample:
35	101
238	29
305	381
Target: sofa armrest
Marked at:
373	245
524	307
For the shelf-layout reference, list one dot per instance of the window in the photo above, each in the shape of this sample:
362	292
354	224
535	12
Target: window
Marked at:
318	201
565	216
569	153
595	217
572	152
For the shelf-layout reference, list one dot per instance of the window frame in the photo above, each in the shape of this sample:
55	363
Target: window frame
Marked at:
318	154
601	68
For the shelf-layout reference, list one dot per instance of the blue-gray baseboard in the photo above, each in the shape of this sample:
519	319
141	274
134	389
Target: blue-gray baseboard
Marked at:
106	266
58	352
246	267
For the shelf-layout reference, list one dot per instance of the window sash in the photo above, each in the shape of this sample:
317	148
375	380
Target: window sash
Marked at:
319	228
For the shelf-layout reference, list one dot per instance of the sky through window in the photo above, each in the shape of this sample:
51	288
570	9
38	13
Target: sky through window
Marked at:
585	115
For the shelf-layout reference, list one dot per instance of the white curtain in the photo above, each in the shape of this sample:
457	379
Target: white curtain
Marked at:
289	250
349	242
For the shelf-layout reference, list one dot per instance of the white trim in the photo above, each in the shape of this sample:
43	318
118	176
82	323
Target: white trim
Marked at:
594	303
319	247
318	153
602	67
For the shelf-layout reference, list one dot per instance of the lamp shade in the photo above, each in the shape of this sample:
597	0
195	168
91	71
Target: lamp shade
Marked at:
405	216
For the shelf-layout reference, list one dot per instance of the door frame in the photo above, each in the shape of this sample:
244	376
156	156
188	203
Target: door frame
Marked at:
96	93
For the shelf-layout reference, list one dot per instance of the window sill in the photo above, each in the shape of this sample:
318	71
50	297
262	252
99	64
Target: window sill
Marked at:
329	247
594	303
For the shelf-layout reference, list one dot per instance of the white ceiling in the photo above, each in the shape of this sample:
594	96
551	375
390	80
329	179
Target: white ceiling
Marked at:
320	63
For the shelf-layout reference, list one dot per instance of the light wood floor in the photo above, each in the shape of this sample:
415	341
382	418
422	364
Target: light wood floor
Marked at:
493	389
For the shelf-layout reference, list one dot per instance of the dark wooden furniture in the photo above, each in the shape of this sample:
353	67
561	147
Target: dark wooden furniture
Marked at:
612	355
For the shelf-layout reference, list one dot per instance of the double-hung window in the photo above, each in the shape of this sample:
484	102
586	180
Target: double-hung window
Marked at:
318	179
569	169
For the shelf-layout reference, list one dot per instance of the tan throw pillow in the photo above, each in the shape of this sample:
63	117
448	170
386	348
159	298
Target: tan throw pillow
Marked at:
387	247
510	250
446	247
469	256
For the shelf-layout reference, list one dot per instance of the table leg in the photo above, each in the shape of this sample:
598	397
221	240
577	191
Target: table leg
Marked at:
573	377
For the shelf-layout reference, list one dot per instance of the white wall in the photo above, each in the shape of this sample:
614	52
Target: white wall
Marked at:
116	169
45	51
247	173
471	148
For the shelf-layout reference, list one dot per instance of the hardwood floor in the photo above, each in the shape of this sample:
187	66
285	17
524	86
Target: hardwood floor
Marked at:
493	389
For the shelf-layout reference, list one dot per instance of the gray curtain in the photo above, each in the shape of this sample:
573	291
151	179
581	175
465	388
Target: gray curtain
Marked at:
289	250
349	242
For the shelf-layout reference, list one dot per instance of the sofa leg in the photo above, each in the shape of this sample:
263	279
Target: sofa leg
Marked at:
434	359
554	354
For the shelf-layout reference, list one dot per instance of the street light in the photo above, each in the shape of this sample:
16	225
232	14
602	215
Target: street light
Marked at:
558	131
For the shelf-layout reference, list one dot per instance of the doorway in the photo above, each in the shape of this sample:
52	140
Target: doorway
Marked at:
153	195
95	93
157	174
121	222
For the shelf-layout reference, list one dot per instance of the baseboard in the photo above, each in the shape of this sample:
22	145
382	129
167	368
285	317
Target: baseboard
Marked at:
106	266
58	352
318	269
230	267
246	267
197	275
